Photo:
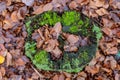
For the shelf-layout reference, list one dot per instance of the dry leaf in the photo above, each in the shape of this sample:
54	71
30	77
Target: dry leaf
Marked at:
39	10
117	76
107	31
48	7
73	5
107	23
101	11
61	77
28	2
2	59
68	75
14	16
2	6
93	69
9	59
56	52
97	3
112	50
20	62
3	71
22	12
55	77
56	30
115	17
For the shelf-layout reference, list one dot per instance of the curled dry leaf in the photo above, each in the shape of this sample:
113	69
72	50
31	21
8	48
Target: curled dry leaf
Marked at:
22	12
101	11
48	7
72	39
9	59
51	44
56	52
28	2
56	30
39	10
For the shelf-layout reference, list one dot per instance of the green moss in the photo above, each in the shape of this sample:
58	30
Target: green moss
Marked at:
41	60
70	17
72	23
49	18
30	49
97	31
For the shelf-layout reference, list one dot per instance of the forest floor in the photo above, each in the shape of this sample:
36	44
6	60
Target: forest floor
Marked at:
14	65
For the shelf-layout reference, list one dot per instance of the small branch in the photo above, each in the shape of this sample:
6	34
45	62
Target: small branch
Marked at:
41	76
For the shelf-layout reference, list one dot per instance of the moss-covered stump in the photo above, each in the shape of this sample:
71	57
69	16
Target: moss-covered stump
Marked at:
72	24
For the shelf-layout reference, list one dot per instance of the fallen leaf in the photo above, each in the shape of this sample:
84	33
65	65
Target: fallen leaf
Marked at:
117	76
61	77
73	5
68	75
101	11
107	23
22	12
92	69
56	52
39	10
55	77
48	7
96	3
112	50
35	76
28	2
72	39
56	30
51	45
118	34
7	24
20	62
2	41
107	31
14	16
2	59
3	71
115	17
2	6
9	59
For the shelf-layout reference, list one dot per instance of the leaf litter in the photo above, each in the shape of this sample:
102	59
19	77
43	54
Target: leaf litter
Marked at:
12	14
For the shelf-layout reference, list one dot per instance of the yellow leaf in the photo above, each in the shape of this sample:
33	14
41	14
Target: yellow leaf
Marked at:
2	59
